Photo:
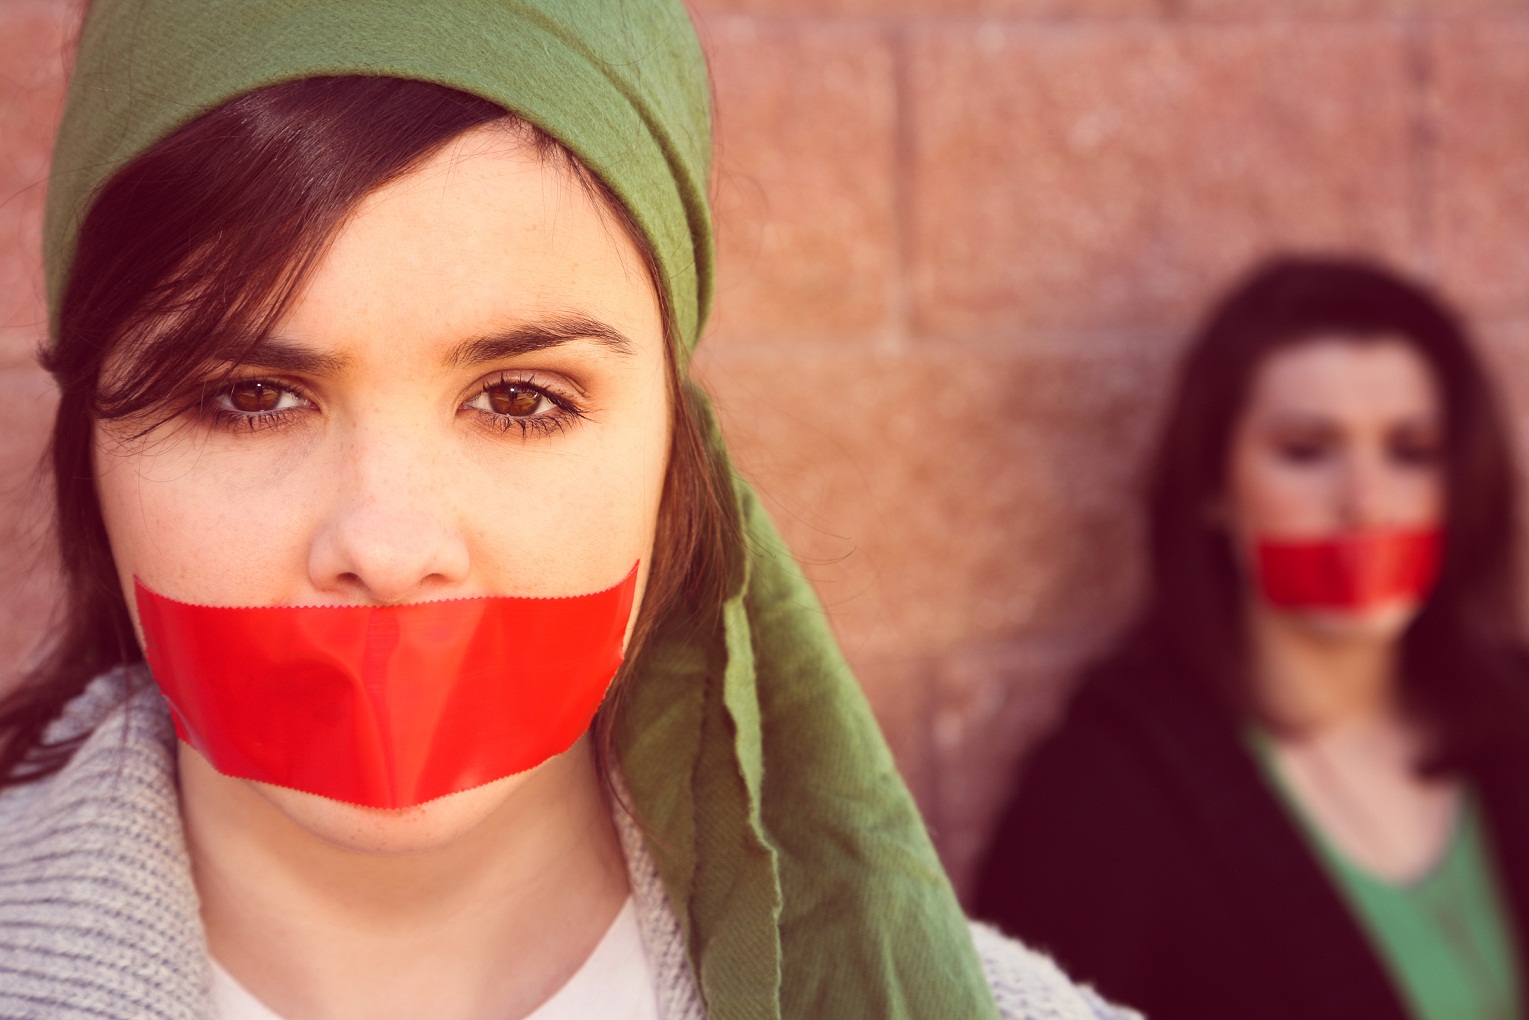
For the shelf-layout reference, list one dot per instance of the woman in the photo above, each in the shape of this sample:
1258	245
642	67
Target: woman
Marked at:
371	322
1296	788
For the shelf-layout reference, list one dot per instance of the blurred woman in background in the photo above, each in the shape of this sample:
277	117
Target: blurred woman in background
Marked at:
1299	787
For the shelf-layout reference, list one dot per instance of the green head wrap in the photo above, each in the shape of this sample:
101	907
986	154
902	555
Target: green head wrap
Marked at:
792	853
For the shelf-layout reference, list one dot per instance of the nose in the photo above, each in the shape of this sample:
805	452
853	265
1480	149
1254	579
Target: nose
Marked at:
390	534
1367	496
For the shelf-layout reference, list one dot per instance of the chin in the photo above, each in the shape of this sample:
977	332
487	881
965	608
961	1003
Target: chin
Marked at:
247	804
387	832
1386	622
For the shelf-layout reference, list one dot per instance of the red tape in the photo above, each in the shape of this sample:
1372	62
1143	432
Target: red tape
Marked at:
1353	570
385	706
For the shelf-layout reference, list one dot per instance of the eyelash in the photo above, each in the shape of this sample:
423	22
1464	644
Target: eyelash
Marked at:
564	413
231	420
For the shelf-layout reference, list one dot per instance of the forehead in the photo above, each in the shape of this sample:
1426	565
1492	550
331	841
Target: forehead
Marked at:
486	233
1343	376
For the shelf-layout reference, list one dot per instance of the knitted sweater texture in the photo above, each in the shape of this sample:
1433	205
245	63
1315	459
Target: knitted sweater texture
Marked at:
99	916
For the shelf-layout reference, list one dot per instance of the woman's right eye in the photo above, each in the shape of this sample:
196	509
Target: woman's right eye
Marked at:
254	396
255	404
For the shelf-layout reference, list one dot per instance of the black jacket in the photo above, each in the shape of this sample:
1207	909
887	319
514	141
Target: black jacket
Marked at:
1144	850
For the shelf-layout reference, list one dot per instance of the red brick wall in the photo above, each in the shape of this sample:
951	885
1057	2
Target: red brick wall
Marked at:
33	35
962	241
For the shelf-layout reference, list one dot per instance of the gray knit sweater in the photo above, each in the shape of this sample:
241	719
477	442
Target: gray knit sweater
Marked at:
99	916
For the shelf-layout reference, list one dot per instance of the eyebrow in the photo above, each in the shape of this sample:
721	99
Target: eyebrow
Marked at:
284	355
539	336
280	355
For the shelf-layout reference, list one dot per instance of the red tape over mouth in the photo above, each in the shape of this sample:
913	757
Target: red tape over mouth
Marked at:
1353	570
385	706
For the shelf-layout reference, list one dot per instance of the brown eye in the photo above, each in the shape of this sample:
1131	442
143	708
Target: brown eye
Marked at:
1299	451
513	399
254	396
1415	450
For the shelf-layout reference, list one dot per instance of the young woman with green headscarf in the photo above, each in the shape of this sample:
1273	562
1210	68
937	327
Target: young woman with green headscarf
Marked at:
375	455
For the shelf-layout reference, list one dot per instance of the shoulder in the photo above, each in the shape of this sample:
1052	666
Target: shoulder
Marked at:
1103	760
122	768
1122	739
98	913
1028	986
1096	829
97	719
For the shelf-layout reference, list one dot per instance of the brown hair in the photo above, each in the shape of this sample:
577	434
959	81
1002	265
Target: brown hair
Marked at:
209	234
1464	670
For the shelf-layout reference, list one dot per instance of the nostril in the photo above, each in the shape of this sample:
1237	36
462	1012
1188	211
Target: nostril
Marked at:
369	552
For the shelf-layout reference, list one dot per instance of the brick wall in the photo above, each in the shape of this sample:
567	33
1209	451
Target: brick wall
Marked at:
962	242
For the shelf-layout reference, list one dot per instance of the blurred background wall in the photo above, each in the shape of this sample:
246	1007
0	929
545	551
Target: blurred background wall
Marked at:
962	242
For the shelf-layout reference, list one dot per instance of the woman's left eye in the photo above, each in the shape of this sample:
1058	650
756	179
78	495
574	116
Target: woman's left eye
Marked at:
515	403
1414	453
516	400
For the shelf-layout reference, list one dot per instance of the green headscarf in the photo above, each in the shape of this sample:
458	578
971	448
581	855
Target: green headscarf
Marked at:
792	853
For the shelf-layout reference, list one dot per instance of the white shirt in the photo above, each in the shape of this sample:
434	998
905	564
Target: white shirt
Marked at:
615	983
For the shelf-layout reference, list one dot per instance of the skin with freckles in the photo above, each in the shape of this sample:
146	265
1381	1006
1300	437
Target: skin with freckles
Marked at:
469	397
1338	434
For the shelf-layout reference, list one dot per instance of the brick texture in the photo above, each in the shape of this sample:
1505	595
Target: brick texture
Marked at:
961	244
33	37
1480	201
1326	9
804	183
1114	177
33	61
941	498
993	700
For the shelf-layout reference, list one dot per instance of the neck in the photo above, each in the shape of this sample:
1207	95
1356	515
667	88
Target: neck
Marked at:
1313	681
491	922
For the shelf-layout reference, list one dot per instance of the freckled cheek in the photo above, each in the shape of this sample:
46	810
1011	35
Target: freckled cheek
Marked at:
1421	498
565	523
202	527
1270	496
235	524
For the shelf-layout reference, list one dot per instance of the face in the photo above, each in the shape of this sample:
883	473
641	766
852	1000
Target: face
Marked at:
469	398
1339	434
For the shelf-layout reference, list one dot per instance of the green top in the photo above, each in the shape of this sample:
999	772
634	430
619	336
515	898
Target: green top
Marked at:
792	853
1443	938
